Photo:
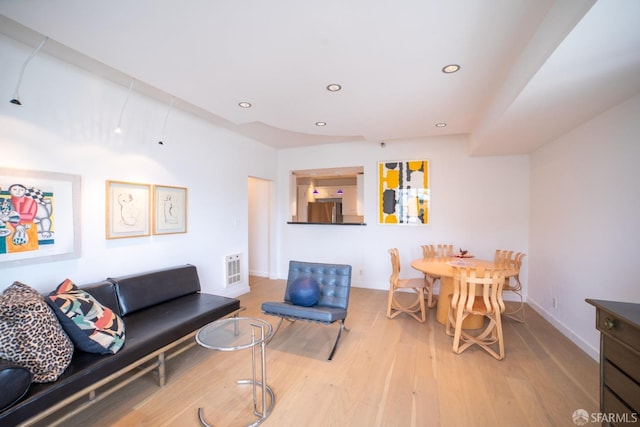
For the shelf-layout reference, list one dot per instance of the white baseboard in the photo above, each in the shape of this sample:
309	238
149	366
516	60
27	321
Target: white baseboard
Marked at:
236	290
258	273
584	346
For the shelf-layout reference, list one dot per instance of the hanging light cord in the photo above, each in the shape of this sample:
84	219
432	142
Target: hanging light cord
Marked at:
16	96
166	118
118	129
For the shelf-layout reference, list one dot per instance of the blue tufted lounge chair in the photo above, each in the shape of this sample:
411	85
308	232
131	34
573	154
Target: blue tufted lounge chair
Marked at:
335	286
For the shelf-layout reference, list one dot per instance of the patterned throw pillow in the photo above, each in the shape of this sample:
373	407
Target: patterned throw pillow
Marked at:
91	326
30	334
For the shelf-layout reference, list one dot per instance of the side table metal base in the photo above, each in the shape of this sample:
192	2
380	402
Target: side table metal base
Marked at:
260	332
261	417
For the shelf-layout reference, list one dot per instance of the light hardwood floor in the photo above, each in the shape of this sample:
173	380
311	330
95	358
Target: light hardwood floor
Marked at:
385	373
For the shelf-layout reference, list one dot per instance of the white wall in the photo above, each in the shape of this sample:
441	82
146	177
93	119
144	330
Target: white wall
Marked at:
66	125
585	228
479	204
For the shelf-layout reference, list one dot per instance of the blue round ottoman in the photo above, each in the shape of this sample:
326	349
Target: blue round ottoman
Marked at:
304	291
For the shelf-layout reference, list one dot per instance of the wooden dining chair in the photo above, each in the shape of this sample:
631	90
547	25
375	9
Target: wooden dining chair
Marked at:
429	251
508	260
415	307
477	292
444	250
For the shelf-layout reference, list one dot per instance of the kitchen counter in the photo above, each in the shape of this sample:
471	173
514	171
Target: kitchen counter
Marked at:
328	223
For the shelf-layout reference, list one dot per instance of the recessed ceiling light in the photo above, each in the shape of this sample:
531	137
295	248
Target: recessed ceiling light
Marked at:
321	123
441	125
451	68
333	87
245	104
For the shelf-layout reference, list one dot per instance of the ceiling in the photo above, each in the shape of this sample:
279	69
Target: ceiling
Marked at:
530	69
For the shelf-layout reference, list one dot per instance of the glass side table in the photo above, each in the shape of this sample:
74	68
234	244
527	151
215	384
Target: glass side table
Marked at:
238	333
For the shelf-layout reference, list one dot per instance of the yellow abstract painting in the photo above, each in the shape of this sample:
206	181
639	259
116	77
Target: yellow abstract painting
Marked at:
403	189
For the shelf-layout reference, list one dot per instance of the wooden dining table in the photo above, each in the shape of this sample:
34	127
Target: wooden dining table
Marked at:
443	267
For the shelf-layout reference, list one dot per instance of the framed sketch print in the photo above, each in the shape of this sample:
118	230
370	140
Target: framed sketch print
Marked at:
128	209
39	216
403	191
169	209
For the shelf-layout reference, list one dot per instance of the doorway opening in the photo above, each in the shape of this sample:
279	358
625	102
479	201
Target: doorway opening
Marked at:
259	217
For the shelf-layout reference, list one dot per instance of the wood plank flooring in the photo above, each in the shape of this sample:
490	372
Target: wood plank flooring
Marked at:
385	373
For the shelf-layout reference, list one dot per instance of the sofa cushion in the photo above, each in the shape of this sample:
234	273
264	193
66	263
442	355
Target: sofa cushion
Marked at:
91	326
143	290
30	334
15	381
105	292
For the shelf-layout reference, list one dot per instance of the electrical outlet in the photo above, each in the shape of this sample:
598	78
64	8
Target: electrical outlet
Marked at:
554	302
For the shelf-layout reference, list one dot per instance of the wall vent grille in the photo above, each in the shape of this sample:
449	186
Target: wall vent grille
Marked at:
234	275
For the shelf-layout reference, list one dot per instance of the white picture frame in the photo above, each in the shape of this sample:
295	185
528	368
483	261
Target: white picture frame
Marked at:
39	217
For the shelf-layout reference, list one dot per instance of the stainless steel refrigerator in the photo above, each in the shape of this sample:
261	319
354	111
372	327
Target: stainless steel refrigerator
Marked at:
324	212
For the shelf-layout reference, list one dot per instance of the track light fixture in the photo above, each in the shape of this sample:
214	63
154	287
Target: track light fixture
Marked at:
164	125
16	96
118	130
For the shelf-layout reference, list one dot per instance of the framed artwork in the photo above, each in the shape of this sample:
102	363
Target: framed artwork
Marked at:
169	209
403	190
39	217
128	209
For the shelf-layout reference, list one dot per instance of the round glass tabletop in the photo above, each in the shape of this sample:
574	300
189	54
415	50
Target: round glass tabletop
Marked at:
234	333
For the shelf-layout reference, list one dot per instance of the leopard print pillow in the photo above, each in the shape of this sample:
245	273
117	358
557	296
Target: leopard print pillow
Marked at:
30	334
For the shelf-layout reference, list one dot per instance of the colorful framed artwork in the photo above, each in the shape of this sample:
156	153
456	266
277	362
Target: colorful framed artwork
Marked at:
169	209
127	209
39	217
403	190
